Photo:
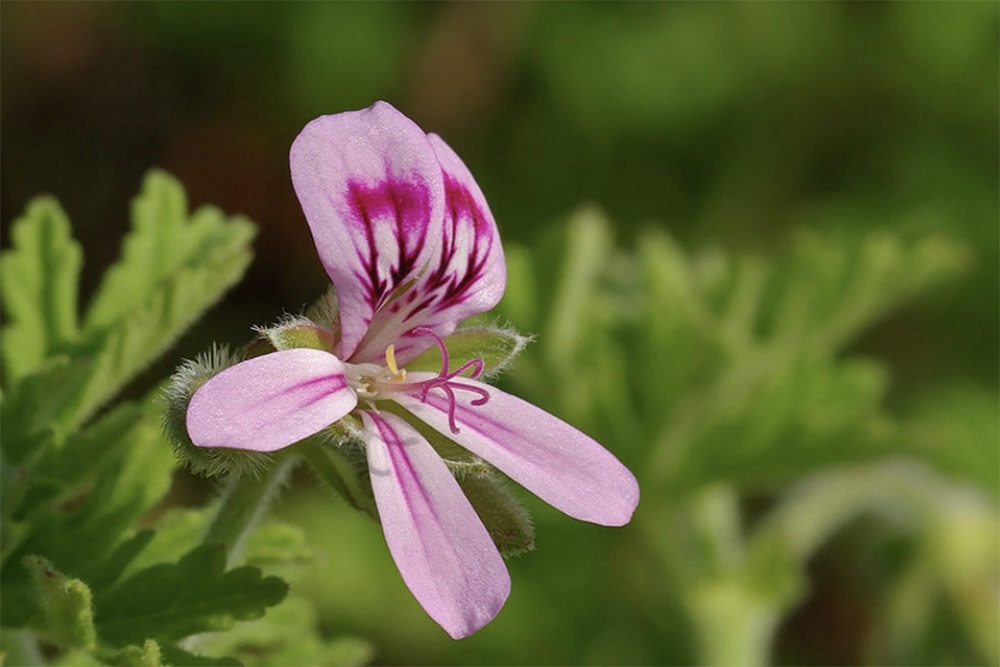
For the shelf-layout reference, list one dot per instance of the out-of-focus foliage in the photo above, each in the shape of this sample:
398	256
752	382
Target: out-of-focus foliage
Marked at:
813	415
720	379
81	492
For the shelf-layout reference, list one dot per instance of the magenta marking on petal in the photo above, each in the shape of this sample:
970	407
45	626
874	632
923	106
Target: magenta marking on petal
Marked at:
394	444
405	206
330	385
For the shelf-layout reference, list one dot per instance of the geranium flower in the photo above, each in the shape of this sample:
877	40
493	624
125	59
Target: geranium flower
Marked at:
409	242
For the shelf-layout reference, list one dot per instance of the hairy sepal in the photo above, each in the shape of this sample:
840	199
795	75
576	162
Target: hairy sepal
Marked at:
205	461
496	346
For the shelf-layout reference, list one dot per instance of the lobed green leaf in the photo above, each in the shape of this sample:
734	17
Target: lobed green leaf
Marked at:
170	601
38	281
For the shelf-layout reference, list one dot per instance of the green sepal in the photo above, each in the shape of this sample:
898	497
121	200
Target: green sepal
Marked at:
460	461
206	461
506	519
171	601
339	461
496	346
325	312
66	614
298	332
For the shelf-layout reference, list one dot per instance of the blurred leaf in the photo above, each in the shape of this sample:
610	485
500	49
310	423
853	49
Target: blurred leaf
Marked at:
175	532
79	538
164	241
275	542
39	286
146	655
172	271
104	574
956	428
171	601
178	657
287	637
65	470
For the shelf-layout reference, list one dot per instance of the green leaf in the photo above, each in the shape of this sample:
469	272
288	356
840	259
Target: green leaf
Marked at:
102	575
147	655
496	347
955	427
29	412
172	270
173	536
67	470
67	616
502	513
171	601
588	248
276	542
163	242
177	657
288	636
39	283
79	537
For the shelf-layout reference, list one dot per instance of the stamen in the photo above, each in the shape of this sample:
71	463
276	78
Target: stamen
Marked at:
445	360
445	381
484	395
476	364
390	362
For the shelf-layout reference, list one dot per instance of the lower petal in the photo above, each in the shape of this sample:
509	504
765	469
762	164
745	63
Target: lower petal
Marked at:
270	402
444	553
559	464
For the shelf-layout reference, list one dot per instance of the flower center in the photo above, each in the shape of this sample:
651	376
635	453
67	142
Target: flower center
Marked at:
372	381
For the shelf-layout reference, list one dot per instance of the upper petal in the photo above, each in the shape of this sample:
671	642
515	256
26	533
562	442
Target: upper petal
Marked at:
371	189
562	466
444	553
270	402
466	276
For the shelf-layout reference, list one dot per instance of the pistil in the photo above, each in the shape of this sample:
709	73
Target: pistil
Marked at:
445	380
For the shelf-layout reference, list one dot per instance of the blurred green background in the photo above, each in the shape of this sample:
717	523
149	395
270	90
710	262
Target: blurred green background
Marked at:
779	305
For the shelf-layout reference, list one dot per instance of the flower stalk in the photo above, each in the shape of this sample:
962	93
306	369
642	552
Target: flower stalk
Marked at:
245	499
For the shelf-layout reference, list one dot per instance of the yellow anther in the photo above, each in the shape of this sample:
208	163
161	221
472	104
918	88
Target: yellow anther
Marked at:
390	361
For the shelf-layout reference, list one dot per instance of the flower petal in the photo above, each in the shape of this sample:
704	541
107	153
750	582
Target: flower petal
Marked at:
442	550
371	188
550	458
270	402
467	276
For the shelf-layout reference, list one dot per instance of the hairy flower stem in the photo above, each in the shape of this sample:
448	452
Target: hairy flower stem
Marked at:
244	501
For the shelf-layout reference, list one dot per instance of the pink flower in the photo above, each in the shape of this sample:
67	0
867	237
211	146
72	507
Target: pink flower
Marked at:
406	235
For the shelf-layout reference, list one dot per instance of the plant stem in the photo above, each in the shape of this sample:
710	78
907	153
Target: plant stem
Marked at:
244	502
